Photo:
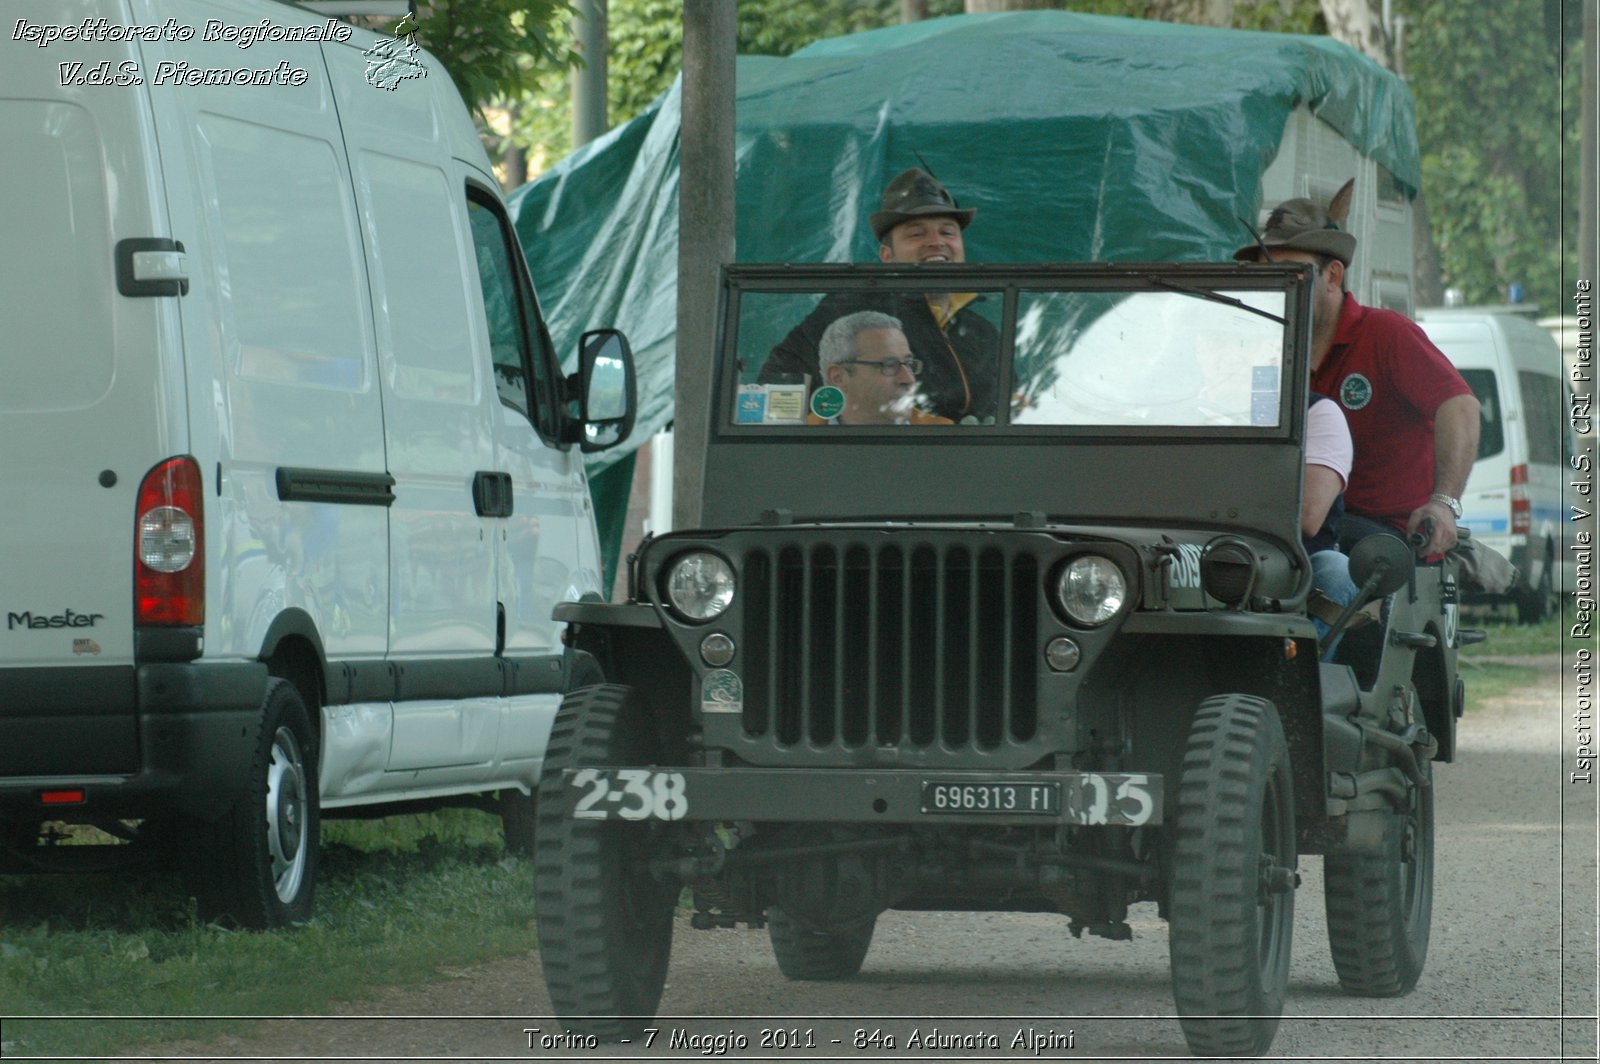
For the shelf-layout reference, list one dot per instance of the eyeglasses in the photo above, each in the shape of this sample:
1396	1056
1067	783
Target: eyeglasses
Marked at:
889	366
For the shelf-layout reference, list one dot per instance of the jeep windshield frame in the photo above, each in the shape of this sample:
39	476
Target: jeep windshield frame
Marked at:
1127	393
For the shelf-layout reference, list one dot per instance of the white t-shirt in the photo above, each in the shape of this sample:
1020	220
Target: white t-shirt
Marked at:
1328	440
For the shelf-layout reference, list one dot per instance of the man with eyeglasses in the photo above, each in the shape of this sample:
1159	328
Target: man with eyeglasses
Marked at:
865	357
920	222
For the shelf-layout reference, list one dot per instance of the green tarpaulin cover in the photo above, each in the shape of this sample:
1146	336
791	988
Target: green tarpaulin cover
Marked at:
1077	138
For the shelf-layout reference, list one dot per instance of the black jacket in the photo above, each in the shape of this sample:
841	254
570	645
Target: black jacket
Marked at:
960	363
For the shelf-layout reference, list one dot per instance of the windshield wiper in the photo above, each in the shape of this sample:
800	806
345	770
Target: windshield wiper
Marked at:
1206	293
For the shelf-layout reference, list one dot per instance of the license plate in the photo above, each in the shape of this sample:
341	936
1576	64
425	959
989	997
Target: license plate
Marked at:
978	797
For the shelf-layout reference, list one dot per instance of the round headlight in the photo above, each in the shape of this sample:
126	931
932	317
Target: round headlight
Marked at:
700	585
1091	589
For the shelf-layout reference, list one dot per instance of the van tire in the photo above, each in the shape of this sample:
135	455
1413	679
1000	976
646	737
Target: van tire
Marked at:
605	922
255	866
519	815
1232	880
1534	604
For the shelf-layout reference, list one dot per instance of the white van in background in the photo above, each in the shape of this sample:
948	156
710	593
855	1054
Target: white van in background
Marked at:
293	479
1513	500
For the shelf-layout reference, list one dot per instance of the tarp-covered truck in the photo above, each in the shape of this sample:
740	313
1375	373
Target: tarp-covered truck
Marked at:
1079	138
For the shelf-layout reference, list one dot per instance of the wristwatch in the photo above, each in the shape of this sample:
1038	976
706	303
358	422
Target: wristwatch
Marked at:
1449	500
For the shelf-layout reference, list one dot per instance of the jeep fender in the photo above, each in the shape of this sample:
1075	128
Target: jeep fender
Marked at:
635	649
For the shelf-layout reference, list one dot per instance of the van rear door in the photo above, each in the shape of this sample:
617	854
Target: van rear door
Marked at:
91	392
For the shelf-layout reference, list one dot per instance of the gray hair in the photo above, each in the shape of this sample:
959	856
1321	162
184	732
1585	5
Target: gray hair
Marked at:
838	342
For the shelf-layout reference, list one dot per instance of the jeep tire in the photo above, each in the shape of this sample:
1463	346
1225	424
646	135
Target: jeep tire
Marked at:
519	812
605	923
1231	912
804	954
1380	906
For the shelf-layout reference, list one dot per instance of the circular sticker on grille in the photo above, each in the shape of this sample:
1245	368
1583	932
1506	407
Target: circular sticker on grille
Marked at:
722	692
1355	392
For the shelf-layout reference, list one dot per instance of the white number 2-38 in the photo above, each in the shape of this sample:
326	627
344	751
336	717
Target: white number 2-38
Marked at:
635	794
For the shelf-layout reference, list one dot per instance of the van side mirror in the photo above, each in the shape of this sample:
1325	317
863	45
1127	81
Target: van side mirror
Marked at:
607	398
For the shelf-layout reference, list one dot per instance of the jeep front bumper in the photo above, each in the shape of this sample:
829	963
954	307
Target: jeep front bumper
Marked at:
865	796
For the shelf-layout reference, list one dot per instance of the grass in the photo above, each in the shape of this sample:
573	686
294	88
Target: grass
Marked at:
1483	667
1509	639
396	899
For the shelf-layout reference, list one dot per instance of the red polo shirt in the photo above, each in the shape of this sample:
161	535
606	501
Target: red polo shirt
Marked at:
1389	379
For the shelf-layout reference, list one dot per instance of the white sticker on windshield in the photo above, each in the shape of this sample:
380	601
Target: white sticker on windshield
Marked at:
1264	395
770	404
786	404
752	405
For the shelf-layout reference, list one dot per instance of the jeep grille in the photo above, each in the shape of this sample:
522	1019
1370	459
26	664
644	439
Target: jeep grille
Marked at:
851	645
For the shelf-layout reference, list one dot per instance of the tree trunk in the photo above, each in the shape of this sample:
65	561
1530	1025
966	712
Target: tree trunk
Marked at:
589	80
975	7
705	236
515	162
1355	23
913	10
513	156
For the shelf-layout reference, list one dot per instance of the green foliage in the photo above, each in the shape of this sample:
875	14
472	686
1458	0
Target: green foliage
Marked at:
493	48
646	52
397	899
1489	81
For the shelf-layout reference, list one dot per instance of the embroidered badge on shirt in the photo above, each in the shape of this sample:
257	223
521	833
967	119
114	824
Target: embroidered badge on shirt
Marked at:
1355	392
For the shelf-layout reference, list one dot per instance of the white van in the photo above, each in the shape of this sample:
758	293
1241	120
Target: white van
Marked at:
293	478
1513	500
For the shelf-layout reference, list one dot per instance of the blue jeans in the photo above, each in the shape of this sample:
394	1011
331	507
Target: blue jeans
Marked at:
1330	574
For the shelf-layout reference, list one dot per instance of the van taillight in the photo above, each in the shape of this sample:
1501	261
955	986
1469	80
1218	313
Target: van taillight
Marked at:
169	578
1521	508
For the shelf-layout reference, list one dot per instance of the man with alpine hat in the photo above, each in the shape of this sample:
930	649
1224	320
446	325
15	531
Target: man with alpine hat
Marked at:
1413	419
920	222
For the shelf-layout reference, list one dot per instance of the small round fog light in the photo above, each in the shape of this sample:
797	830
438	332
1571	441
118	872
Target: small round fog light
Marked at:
1062	654
716	650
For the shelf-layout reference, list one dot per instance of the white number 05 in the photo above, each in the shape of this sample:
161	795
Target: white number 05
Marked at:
635	794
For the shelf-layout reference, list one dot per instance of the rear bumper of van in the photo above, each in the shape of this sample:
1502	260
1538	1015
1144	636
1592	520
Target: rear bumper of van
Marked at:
137	741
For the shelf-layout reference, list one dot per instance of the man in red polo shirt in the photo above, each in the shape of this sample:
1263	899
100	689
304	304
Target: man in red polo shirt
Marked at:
1413	419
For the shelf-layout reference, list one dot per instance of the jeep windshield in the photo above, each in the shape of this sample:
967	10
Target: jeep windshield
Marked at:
1074	391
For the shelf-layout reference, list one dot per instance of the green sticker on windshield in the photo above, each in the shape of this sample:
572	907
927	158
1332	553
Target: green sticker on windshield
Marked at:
827	402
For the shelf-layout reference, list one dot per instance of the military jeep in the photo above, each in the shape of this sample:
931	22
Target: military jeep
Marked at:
1051	657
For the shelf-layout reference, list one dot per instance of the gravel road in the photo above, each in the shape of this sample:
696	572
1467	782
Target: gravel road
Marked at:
1513	942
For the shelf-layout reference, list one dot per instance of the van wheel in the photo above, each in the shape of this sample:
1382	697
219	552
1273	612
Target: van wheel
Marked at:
256	865
605	923
817	955
1536	603
519	812
518	815
1231	911
1380	906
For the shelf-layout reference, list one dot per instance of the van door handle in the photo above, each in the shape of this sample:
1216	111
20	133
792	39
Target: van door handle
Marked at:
151	266
491	494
